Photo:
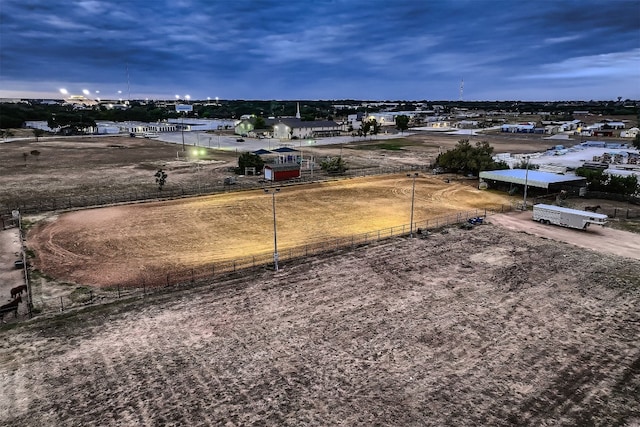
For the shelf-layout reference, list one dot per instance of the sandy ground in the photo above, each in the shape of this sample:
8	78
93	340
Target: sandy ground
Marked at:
473	327
125	244
489	326
595	238
10	277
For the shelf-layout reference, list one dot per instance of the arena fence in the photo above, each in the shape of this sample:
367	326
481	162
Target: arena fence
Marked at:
44	204
174	279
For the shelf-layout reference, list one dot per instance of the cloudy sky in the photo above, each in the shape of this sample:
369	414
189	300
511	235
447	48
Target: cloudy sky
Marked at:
321	49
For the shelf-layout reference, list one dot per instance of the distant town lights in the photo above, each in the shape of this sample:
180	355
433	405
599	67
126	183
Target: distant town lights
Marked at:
64	91
86	92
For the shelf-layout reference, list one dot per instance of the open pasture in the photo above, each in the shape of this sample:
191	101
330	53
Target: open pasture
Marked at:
486	327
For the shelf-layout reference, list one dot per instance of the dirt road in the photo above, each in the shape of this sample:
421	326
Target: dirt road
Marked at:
596	238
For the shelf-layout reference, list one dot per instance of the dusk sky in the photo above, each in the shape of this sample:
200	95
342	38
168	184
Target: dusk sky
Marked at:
321	50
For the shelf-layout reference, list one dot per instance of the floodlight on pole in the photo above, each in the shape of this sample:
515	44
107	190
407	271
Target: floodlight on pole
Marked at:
275	228
413	195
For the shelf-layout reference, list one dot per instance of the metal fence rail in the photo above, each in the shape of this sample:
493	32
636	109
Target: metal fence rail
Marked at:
45	204
170	279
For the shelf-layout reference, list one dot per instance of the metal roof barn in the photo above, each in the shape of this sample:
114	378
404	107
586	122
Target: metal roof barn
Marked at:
533	178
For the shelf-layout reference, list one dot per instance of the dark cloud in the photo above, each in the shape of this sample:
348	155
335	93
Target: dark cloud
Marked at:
266	49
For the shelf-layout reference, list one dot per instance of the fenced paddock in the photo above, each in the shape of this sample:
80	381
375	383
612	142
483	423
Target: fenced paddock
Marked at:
48	204
169	280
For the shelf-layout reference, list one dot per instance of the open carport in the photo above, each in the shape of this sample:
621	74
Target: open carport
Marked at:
546	182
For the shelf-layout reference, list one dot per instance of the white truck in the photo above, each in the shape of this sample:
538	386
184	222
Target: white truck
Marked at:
565	217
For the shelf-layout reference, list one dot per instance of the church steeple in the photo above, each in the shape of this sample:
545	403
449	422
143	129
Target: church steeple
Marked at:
298	111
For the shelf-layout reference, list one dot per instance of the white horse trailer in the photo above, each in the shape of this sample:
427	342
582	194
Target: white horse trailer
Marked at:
565	217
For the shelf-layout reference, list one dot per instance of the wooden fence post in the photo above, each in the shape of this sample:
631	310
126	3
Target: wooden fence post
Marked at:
61	305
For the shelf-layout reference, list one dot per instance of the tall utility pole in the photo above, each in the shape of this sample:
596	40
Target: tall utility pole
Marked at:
526	182
275	228
413	195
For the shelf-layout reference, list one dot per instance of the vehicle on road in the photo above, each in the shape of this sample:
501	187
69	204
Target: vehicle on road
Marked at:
566	217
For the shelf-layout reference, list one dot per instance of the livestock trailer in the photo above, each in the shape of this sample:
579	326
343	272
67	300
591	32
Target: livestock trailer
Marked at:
566	217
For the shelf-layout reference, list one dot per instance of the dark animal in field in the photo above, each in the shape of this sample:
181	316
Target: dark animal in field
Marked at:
18	290
591	208
12	306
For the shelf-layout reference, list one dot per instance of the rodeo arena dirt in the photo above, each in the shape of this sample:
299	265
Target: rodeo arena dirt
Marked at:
399	300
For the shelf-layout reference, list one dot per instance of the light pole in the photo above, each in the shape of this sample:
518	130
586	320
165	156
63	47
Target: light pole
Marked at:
413	195
275	228
526	182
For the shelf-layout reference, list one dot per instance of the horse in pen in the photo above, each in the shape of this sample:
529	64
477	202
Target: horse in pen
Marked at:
12	306
18	290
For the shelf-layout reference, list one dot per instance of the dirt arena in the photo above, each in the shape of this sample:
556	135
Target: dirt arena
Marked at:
121	244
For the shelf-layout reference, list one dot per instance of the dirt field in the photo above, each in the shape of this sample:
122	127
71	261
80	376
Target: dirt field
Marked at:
481	327
75	166
121	244
490	326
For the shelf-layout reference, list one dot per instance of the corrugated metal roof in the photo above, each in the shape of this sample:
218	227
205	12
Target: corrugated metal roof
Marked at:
533	178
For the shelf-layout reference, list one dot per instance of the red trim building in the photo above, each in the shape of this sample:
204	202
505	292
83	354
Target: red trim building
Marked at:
281	172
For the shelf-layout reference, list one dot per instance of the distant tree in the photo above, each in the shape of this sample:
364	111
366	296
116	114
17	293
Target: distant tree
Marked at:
161	178
466	158
524	164
597	180
249	160
375	127
636	141
70	123
370	126
402	122
37	133
259	123
334	165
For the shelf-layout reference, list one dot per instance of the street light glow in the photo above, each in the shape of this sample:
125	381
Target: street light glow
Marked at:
64	91
86	92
